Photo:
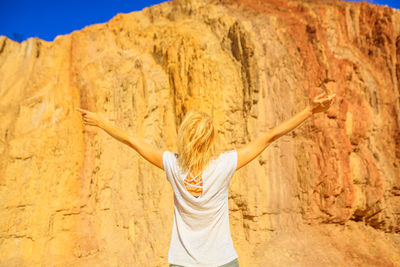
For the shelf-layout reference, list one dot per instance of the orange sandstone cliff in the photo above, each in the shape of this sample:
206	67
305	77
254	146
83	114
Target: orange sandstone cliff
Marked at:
327	194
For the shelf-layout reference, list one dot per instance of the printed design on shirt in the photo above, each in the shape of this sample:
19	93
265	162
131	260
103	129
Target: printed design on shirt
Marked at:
194	185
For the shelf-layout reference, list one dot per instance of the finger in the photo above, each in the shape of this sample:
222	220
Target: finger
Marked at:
325	99
81	110
332	97
84	111
320	95
319	100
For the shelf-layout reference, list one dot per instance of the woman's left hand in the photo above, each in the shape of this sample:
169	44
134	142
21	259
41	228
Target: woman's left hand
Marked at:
321	102
90	118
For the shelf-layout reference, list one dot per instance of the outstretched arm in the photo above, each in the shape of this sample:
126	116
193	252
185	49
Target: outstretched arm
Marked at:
251	150
147	151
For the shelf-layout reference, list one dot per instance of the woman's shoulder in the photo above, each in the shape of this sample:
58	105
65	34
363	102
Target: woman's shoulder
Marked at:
228	152
170	156
222	156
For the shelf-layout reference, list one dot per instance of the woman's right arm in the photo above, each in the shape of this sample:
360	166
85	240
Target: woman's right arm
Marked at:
147	151
251	150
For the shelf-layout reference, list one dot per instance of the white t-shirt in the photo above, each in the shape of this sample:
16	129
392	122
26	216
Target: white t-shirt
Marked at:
201	233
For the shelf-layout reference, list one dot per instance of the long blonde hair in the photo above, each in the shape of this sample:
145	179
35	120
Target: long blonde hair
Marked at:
196	142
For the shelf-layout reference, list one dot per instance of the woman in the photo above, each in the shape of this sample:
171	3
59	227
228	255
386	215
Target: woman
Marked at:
200	181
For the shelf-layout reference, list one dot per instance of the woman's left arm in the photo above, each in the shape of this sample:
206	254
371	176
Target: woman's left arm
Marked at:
320	103
147	151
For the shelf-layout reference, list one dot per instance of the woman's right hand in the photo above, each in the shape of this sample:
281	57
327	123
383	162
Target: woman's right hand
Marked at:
90	118
321	102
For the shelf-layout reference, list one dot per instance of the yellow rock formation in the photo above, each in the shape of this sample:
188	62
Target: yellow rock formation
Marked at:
327	194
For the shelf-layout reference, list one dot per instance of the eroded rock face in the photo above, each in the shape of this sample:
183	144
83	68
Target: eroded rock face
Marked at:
327	193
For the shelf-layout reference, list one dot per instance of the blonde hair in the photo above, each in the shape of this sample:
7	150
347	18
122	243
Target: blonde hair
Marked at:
196	142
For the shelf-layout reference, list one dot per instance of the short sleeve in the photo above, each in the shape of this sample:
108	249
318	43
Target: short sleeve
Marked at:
168	163
228	162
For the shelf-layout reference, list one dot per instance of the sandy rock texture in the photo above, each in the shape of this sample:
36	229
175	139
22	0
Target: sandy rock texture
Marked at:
327	194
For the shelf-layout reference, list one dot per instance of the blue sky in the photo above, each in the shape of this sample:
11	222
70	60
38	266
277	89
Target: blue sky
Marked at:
21	19
389	3
47	19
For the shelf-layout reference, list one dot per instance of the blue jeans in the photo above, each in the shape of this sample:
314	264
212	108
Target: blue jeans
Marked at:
233	263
